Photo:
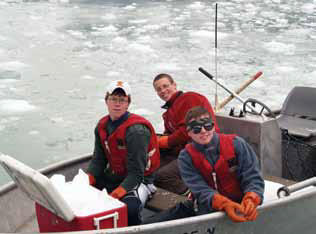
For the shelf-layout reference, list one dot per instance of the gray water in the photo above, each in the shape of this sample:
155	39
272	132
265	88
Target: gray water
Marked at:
57	56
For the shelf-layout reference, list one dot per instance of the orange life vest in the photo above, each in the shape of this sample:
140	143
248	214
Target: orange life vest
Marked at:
223	176
115	145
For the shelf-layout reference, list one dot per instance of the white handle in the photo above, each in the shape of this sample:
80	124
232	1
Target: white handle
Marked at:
115	217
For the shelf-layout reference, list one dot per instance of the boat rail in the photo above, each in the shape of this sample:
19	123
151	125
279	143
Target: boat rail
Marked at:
287	190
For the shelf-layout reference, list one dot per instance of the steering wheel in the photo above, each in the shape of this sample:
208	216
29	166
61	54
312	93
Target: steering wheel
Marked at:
253	102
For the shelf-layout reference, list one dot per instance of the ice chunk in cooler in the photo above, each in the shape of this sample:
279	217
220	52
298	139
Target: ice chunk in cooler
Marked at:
84	199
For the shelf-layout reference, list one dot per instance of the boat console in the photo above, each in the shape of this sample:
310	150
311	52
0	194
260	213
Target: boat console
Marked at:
262	133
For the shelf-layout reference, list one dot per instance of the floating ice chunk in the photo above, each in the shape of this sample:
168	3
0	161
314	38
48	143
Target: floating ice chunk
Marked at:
108	16
138	21
201	33
143	112
168	66
90	44
141	47
34	132
196	6
152	26
308	8
207	34
87	77
171	39
112	73
120	40
285	68
15	105
110	29
13	65
36	17
278	47
130	7
76	34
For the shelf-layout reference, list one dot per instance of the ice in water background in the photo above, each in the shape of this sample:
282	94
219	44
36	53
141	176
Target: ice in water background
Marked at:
57	56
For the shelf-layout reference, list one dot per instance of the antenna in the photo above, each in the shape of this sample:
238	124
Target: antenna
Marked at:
216	98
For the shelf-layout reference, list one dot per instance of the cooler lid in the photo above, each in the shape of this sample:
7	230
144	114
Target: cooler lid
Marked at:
37	187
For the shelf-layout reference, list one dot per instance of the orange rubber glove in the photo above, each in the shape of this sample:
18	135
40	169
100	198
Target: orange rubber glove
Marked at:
231	208
118	193
92	180
163	142
250	202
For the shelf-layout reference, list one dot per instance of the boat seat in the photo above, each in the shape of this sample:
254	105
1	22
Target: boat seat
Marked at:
298	113
163	200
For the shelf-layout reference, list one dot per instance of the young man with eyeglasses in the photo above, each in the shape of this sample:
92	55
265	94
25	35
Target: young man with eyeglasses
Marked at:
221	170
126	153
177	104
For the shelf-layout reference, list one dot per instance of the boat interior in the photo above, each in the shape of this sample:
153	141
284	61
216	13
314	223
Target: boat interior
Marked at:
265	134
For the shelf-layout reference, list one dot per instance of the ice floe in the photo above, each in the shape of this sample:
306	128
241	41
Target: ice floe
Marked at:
12	65
15	106
279	47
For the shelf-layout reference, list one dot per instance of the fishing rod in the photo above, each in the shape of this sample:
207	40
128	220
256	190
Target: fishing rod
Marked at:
228	90
216	97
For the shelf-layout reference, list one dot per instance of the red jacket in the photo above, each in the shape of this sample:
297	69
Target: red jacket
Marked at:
225	175
174	118
115	145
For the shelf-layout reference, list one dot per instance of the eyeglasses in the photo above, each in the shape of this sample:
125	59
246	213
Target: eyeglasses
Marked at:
119	100
196	125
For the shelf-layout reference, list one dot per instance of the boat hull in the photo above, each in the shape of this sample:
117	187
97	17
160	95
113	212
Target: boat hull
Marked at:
292	214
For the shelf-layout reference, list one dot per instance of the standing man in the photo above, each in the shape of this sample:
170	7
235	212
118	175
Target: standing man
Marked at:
221	170
175	135
125	153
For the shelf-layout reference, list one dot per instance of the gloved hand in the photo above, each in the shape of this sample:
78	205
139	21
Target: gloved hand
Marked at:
220	202
163	142
250	202
118	193
92	180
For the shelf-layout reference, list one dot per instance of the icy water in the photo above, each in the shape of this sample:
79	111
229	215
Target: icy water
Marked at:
56	58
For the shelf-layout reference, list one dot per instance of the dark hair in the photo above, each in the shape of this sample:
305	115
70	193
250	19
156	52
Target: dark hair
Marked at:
118	92
163	75
194	113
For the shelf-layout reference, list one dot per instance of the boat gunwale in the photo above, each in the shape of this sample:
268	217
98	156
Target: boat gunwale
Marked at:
214	217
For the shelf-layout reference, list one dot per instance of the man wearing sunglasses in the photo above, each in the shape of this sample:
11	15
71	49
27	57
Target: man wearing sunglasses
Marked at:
126	153
221	170
177	104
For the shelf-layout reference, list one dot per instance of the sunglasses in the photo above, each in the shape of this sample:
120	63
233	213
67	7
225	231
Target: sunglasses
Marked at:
196	125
